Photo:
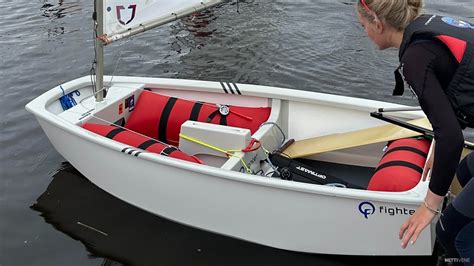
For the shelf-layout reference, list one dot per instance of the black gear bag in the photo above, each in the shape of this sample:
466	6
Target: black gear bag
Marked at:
290	169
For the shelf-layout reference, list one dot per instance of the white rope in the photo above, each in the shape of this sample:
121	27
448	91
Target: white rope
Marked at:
118	60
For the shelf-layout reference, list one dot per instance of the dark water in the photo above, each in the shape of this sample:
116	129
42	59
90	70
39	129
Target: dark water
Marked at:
305	45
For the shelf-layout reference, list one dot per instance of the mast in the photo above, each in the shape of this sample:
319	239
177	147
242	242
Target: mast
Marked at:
99	50
112	26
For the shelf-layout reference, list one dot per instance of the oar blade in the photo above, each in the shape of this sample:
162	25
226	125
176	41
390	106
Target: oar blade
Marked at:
312	146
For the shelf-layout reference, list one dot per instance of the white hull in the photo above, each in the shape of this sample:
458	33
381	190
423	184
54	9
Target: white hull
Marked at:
268	211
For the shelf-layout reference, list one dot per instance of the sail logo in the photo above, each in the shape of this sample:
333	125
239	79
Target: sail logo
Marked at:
121	9
366	208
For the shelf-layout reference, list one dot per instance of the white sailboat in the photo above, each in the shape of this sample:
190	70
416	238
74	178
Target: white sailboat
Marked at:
221	178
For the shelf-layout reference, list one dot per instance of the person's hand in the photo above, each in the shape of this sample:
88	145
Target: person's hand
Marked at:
429	162
411	229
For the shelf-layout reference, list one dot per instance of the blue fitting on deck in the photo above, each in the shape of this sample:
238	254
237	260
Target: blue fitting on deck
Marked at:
67	100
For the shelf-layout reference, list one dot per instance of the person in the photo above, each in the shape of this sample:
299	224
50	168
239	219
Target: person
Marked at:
437	64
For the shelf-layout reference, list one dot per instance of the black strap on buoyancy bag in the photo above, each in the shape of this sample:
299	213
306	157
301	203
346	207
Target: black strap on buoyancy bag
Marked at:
114	132
195	111
168	150
165	115
223	111
293	170
145	145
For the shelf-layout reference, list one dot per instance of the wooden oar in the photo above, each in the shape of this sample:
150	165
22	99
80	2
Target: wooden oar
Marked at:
351	139
363	137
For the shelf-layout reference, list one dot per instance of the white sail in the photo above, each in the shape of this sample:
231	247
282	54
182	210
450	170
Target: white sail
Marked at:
123	18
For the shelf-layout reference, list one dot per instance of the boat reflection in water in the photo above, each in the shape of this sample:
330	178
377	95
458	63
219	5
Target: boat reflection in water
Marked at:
119	232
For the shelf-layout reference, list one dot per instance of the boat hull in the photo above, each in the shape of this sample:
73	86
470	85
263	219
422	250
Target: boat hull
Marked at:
272	212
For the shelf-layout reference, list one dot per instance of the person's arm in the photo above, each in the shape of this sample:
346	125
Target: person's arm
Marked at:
421	69
420	73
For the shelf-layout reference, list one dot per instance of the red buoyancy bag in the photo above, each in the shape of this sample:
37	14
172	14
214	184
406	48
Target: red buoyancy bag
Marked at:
160	117
141	142
401	166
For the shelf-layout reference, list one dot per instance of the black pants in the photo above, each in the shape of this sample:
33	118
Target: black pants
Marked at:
455	230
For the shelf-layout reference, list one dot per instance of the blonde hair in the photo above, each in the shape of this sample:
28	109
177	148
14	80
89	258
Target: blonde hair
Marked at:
397	13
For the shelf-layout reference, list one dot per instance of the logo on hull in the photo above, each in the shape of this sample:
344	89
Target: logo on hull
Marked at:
366	208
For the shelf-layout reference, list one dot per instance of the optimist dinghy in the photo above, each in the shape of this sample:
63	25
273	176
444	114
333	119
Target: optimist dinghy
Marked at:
215	155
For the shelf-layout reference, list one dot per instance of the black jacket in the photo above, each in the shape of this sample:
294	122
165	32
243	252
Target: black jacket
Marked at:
458	36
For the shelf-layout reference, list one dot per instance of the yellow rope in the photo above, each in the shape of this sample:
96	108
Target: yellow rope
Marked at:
210	146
